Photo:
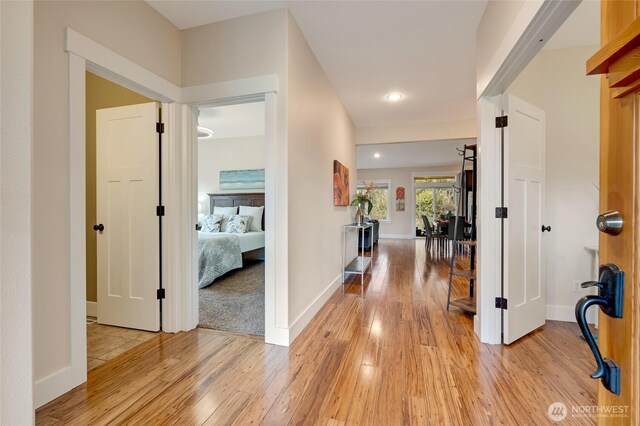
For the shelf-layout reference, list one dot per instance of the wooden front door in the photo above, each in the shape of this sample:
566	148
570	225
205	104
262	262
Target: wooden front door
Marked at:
618	61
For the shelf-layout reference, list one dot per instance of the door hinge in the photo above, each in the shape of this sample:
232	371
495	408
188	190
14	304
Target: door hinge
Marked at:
160	293
502	121
159	127
502	212
160	211
501	303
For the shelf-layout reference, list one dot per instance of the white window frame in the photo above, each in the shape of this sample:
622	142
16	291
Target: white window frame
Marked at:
381	182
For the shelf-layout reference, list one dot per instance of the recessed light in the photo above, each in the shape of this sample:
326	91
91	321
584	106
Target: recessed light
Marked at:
394	97
376	155
204	133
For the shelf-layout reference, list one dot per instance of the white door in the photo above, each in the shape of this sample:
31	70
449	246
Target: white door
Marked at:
127	196
524	191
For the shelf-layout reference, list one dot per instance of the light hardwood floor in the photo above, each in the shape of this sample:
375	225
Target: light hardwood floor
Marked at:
105	342
387	355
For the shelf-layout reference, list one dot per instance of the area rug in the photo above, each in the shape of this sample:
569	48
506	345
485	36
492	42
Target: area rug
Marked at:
235	301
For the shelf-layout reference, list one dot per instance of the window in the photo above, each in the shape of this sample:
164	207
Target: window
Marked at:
379	199
434	179
434	197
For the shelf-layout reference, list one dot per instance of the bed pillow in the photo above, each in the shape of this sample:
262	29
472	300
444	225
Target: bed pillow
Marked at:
238	224
212	223
226	212
256	216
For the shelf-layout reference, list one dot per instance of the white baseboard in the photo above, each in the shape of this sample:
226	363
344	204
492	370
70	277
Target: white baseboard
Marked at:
567	313
92	309
305	318
49	388
277	336
396	236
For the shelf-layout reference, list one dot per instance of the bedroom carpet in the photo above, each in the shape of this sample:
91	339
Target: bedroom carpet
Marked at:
235	301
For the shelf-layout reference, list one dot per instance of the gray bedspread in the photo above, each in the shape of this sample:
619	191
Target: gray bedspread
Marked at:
219	253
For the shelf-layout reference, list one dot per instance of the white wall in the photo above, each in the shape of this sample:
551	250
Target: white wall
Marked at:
319	131
244	47
555	81
497	20
16	71
215	155
440	130
132	29
401	224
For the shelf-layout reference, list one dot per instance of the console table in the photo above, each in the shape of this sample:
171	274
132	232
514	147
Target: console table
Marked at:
361	263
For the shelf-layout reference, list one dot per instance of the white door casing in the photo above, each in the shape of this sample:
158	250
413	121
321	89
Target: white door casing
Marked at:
524	189
127	196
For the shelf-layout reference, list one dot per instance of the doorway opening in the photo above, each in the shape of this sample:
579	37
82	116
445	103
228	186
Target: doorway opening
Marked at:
231	216
434	198
122	237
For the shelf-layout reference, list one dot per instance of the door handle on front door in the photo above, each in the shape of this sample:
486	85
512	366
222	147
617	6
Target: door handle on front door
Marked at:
610	299
98	228
610	222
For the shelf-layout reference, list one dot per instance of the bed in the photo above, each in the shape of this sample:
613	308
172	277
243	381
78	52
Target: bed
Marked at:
221	252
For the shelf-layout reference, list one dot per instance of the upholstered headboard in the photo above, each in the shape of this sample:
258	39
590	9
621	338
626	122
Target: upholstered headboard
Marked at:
255	199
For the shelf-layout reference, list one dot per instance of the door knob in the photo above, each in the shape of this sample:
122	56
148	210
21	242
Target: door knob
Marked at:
610	299
98	228
546	228
610	222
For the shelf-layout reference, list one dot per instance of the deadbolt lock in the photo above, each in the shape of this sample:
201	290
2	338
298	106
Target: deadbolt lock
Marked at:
610	222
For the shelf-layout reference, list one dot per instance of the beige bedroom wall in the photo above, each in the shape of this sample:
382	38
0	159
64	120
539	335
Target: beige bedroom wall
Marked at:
101	93
215	155
319	131
132	29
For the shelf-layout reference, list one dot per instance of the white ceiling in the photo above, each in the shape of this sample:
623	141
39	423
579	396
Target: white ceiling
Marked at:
193	13
410	154
424	49
233	121
582	28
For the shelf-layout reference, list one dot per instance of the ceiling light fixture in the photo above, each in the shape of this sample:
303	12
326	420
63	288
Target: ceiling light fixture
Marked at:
376	155
204	133
394	97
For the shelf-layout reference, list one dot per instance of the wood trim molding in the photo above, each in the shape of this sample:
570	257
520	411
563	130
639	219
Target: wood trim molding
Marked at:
109	64
619	60
615	49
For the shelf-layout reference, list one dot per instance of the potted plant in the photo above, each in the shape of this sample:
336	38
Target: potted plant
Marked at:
449	208
363	202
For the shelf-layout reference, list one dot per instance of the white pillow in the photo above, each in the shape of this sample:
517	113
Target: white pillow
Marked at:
256	216
226	212
212	223
238	224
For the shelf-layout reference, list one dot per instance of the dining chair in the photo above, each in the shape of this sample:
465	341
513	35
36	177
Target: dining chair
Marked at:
458	231
428	232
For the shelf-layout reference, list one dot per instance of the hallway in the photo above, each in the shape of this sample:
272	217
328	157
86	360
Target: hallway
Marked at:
387	354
